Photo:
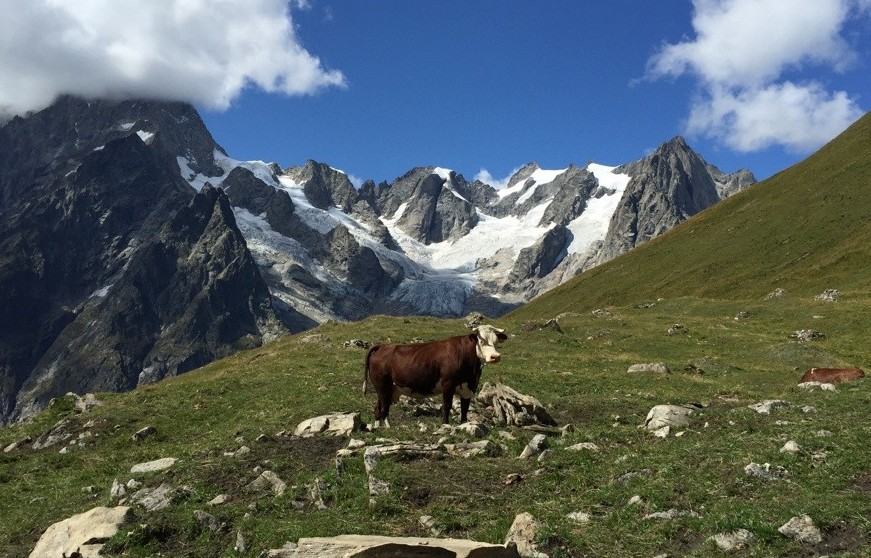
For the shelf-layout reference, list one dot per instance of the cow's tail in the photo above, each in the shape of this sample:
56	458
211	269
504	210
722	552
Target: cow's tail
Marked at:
366	368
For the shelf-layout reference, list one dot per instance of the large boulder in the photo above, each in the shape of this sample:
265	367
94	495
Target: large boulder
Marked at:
373	546
84	533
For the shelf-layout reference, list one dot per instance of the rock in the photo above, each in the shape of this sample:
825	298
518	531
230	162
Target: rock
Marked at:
316	491
676	328
218	500
676	416
84	533
153	499
790	447
579	517
117	491
807	335
765	407
336	424
473	429
356	343
822	386
522	533
736	540
86	402
429	522
345	546
588	446
513	408
152	466
828	295
267	481
474	449
765	471
801	529
626	477
662	432
671	514
650	367
535	446
144	433
207	520
776	293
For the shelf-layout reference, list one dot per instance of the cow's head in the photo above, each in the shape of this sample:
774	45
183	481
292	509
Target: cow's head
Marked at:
489	338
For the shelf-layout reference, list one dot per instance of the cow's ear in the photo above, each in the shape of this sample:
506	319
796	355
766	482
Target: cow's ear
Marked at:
474	336
501	336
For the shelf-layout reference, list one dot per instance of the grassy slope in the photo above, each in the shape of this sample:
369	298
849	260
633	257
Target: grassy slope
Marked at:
719	361
805	229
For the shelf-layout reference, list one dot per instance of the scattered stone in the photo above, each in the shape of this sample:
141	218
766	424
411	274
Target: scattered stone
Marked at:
117	491
153	499
512	478
765	471
144	433
535	446
602	313
589	446
474	449
742	315
473	429
268	481
345	546
649	367
55	435
676	328
513	408
818	385
828	295
81	535
801	529
580	517
807	335
671	514
790	447
824	433
241	544
662	432
316	491
625	478
133	484
808	409
730	542
336	424
776	293
207	520
356	343
153	466
377	487
85	403
89	489
313	338
635	501
218	500
355	443
522	533
765	407
552	324
429	522
660	416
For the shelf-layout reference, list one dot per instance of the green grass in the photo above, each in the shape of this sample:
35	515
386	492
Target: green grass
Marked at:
723	363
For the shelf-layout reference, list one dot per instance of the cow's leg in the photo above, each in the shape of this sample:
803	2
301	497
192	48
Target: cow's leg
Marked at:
464	409
382	407
447	403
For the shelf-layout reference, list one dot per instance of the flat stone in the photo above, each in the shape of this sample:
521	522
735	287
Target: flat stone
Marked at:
350	546
152	466
84	533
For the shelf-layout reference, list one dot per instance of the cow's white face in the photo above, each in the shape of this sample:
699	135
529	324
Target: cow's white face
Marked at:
489	338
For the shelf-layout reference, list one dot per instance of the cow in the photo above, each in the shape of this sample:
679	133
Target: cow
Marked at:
831	375
447	367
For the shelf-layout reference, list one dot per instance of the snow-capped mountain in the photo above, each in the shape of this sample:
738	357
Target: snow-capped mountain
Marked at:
433	243
132	247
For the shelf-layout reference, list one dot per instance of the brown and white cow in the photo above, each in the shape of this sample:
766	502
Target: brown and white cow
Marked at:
831	375
447	367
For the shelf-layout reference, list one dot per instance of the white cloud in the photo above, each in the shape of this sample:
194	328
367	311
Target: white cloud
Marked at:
191	50
497	183
740	53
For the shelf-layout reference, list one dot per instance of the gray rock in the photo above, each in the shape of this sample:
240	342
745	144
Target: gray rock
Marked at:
536	445
671	514
736	540
152	466
765	471
588	446
267	481
802	529
522	533
676	416
765	407
651	367
85	533
336	424
153	499
513	408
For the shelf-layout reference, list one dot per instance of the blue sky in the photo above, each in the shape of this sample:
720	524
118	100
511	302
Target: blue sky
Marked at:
377	87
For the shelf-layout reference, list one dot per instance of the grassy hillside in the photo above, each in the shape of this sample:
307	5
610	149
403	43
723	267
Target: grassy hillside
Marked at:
804	230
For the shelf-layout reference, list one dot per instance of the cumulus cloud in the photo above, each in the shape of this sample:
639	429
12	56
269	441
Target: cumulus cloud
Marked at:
498	183
190	50
740	54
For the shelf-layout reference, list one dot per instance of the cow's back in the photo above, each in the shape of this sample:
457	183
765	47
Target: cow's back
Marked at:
421	366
